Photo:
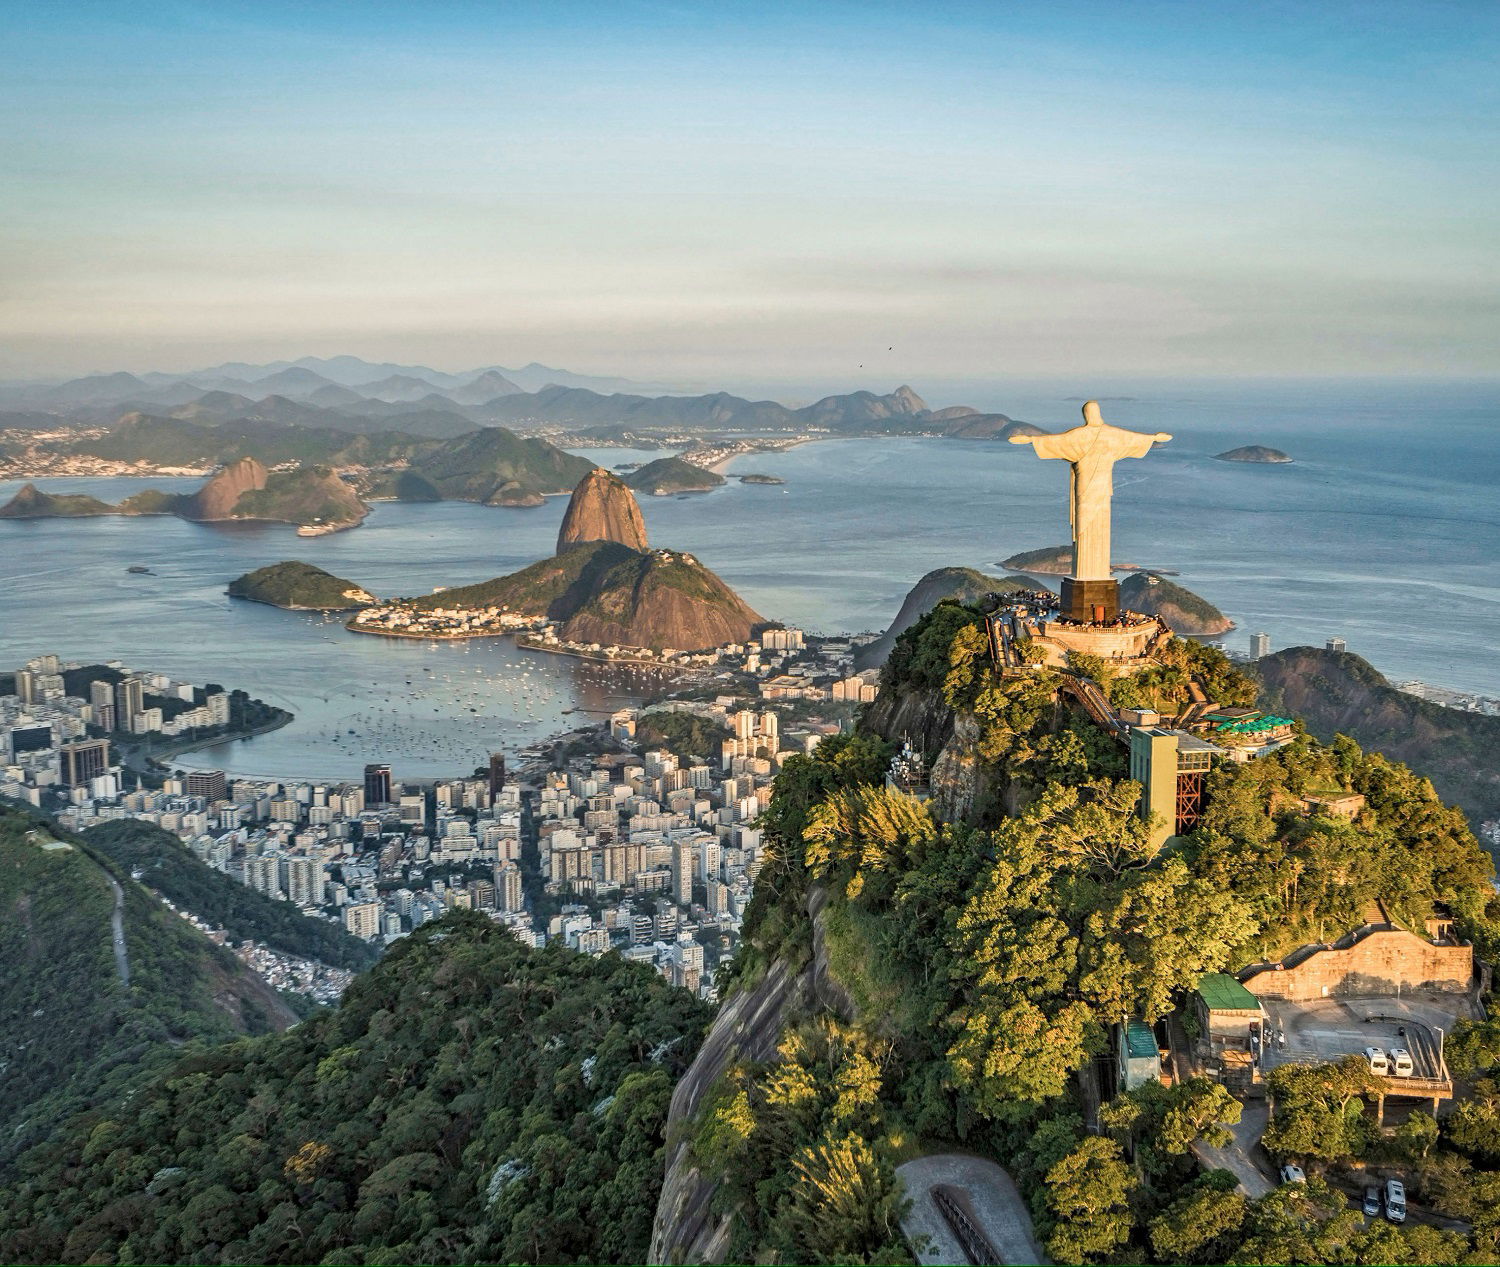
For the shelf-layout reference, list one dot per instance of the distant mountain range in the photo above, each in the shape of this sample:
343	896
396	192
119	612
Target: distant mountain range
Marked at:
361	397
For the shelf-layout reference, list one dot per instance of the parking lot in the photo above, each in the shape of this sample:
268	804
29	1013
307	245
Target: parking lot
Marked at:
1330	1029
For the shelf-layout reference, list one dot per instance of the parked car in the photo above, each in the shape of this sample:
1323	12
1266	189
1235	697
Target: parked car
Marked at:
1292	1173
1395	1200
1378	1062
1401	1066
1372	1202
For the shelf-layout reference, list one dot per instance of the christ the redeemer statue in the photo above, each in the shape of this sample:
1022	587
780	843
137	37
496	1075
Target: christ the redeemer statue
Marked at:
1092	450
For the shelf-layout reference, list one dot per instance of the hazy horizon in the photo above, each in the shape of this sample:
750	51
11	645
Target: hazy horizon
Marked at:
860	194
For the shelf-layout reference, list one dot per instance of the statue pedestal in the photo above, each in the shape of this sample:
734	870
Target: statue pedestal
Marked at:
1131	645
1092	602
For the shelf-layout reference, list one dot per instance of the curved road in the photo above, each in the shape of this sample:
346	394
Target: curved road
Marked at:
117	926
994	1204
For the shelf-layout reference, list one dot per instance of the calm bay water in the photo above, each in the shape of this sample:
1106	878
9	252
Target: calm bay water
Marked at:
1384	531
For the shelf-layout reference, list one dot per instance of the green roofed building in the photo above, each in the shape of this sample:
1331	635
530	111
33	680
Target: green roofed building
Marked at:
1139	1057
1226	1011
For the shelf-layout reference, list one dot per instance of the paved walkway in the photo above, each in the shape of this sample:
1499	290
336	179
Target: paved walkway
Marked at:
117	928
992	1197
1244	1157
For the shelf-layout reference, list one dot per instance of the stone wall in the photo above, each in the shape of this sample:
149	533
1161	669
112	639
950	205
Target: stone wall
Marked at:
1383	961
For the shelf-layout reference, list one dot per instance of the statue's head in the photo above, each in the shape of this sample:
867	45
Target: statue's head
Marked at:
1091	415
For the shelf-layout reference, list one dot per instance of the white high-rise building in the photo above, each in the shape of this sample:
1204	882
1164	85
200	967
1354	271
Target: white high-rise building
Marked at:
1260	646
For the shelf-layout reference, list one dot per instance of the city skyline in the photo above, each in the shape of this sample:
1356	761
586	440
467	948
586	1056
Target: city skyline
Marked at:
754	195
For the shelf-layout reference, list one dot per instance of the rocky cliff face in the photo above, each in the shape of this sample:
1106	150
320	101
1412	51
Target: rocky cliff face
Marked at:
602	508
748	1028
217	498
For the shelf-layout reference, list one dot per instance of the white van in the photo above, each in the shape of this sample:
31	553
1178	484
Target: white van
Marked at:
1401	1066
1395	1200
1378	1063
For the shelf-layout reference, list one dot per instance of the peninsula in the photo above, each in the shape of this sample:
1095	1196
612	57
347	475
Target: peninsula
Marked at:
604	590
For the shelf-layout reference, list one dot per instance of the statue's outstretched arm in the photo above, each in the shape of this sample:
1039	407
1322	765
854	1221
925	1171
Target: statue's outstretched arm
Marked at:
1161	437
1029	439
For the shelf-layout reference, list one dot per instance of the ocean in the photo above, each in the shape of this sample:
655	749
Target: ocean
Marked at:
1384	531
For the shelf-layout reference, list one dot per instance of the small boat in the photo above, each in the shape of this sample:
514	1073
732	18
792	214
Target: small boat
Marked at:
138	570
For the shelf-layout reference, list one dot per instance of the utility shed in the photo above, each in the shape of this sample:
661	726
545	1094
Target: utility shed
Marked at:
1225	1008
1139	1056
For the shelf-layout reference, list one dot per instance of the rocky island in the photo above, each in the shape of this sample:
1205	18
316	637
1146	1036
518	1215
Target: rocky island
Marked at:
666	476
761	479
602	509
1253	453
298	586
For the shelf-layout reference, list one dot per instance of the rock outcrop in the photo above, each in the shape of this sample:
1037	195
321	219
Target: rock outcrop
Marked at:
218	498
602	508
662	599
748	1027
965	584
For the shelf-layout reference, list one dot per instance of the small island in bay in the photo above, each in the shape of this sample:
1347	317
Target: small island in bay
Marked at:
761	479
665	476
1253	453
299	586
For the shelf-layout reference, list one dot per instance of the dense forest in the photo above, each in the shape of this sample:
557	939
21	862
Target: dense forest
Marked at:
684	735
163	863
72	1033
985	960
470	1100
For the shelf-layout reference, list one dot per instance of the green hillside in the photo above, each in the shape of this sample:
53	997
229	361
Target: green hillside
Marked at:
498	467
470	1100
72	1034
1336	692
1184	611
980	947
304	495
31	503
1051	560
672	475
163	863
176	442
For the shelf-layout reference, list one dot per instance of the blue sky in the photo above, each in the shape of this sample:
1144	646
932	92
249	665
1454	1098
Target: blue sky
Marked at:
754	193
